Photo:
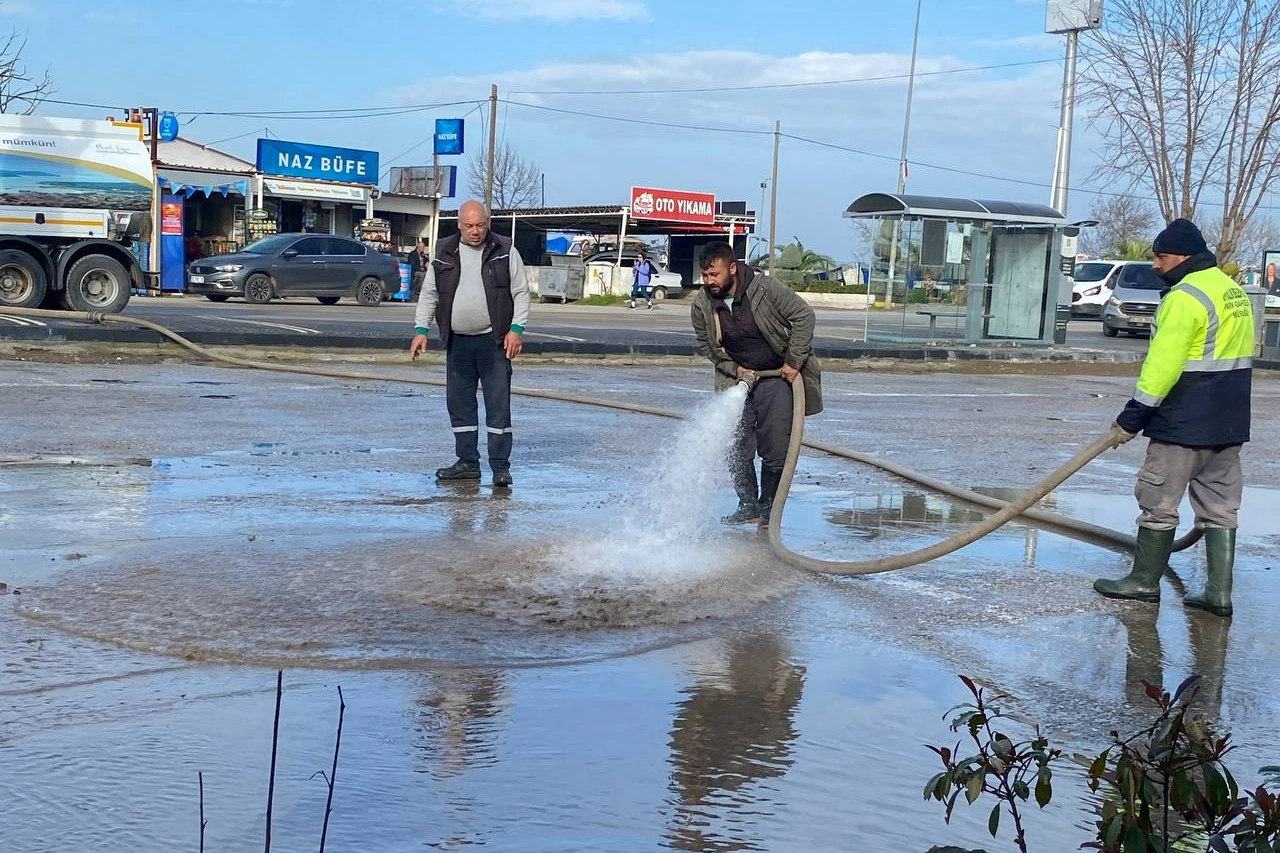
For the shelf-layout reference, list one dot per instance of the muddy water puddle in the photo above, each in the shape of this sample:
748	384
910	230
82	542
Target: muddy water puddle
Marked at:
587	661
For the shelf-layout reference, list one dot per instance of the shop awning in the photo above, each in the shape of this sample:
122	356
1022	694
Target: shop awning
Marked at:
189	182
316	190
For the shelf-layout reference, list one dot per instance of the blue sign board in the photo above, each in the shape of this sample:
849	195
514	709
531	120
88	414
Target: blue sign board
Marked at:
317	162
168	127
448	136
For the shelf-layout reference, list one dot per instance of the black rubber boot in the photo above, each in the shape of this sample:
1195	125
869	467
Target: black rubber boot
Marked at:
769	480
502	478
743	472
1220	552
1150	559
459	471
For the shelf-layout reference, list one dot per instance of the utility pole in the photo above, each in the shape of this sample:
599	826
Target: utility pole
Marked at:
902	160
773	193
493	141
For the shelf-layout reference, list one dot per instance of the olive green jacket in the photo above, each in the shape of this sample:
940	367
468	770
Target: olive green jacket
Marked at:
785	320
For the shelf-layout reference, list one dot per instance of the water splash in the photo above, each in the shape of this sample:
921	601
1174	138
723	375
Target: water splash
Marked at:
663	532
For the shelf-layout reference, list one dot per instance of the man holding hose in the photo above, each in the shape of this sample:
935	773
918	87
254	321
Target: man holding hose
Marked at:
1192	402
746	322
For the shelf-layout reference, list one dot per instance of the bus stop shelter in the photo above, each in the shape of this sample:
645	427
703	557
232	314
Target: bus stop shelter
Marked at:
968	270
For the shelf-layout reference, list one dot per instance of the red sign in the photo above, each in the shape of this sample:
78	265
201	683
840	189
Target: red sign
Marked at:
673	206
170	218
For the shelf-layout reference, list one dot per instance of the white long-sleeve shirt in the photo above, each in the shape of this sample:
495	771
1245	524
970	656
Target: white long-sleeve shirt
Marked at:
470	307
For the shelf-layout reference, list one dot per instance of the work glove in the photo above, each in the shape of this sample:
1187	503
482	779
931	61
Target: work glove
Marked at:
1135	417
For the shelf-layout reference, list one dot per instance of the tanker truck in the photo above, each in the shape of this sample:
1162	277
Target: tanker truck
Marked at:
75	198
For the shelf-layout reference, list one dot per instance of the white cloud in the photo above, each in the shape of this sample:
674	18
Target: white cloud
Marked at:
16	9
994	123
1039	41
551	10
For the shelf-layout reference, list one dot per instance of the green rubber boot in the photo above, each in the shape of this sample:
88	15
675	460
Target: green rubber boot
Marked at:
1150	559
1220	551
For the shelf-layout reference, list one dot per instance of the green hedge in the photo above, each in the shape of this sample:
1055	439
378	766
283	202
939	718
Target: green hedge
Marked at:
828	287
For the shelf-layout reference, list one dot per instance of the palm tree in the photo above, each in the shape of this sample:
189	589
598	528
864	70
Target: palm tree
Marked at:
794	264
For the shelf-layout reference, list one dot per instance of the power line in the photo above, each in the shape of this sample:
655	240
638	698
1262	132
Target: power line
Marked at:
314	114
648	122
766	86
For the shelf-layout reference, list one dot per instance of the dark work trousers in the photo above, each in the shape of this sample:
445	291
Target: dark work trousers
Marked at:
765	427
472	360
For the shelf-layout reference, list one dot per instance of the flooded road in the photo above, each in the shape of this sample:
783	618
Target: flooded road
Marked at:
587	661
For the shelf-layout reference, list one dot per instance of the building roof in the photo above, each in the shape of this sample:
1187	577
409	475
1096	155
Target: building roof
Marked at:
893	206
608	219
185	154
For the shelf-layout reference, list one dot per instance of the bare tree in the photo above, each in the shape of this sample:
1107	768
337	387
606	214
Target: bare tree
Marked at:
517	182
1261	235
1186	94
1121	219
20	90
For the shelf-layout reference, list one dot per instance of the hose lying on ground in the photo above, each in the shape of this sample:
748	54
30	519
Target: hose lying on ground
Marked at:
1006	511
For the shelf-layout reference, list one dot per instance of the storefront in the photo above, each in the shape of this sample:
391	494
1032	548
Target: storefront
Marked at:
313	188
204	194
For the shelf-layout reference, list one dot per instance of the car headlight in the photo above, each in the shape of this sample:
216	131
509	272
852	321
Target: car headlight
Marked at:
229	267
1093	291
1114	303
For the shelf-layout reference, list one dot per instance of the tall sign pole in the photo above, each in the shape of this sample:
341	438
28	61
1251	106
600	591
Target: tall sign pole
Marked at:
493	141
902	159
773	194
1068	17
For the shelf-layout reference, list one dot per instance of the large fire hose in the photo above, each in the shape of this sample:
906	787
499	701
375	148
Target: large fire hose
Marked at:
1006	511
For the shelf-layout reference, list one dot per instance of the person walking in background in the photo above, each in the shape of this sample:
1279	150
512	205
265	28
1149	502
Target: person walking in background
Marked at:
476	289
744	322
418	259
1192	402
641	275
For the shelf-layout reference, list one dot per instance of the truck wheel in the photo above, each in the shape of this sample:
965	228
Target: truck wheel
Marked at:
96	283
370	292
22	281
258	289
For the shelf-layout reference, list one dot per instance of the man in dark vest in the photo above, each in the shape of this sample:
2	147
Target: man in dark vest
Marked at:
476	290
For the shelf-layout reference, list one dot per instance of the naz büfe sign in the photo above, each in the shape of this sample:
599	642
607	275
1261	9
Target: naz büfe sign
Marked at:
317	162
673	206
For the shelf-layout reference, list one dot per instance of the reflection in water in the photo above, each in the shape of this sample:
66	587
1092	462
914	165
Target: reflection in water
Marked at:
1144	657
456	720
727	733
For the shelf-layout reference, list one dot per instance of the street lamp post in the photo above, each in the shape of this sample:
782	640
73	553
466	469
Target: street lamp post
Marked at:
1069	18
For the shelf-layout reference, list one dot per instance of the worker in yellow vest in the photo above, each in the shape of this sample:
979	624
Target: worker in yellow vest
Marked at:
1192	402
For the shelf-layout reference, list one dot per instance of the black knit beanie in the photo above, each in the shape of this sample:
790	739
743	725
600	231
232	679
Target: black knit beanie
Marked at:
1182	237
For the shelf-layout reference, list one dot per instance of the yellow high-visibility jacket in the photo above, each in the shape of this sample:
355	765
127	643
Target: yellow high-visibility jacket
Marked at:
1196	379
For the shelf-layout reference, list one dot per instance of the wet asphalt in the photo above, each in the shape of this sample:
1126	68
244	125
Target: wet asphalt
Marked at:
584	661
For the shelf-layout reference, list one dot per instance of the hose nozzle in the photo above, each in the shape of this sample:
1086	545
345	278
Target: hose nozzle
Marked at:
748	380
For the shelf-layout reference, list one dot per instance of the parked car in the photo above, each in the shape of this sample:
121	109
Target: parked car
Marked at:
1092	288
282	265
662	284
1135	296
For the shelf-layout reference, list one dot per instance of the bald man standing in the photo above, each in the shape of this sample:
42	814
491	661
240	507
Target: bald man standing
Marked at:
476	290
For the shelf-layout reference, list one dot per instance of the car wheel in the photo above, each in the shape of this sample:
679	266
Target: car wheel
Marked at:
327	300
1108	331
258	289
216	297
22	280
658	294
97	283
369	292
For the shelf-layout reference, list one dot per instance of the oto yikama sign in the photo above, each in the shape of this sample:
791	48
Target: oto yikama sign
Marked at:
673	206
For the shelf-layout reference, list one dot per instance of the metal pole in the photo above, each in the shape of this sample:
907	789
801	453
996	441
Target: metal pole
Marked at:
773	193
1062	161
542	181
622	238
493	141
435	207
902	159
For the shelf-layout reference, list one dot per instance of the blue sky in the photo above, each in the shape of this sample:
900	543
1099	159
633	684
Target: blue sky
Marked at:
264	55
